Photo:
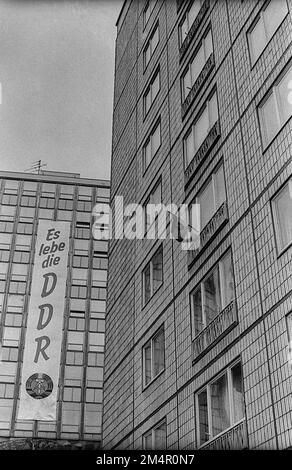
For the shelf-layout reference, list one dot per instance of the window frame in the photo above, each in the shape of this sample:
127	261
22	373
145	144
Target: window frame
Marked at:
149	5
184	18
148	90
161	330
274	92
152	431
188	68
191	129
149	140
261	17
226	371
149	45
150	263
200	287
275	220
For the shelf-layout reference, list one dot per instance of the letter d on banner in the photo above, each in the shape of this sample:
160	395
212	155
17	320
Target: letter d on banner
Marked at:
42	347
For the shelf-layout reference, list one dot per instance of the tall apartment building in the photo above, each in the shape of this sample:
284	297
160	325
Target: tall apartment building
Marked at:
26	201
197	342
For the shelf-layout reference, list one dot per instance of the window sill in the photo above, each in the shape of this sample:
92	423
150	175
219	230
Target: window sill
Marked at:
232	438
203	151
212	228
145	387
193	30
202	78
219	327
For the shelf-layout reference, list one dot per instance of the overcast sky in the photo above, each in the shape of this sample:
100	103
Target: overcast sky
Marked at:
57	71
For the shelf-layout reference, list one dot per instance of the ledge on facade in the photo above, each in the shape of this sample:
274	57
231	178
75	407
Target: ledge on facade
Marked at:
219	327
206	235
193	30
208	67
201	154
234	438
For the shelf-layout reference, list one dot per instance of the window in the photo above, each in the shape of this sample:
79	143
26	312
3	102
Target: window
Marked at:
211	197
282	210
189	19
220	404
147	11
196	64
80	261
156	437
99	260
65	204
28	200
151	92
201	128
78	291
155	197
82	230
266	25
9	199
75	340
214	294
276	108
6	227
152	276
24	228
47	202
153	357
151	145
151	45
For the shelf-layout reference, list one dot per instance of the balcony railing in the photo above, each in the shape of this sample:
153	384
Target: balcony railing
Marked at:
217	221
233	439
209	65
201	154
193	30
223	323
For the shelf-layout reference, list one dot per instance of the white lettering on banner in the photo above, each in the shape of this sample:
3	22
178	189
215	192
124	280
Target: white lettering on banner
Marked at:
42	349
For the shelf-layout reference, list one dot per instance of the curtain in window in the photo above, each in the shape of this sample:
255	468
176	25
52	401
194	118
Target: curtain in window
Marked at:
147	363
220	405
158	351
147	291
203	417
284	216
197	306
238	401
212	297
227	280
157	270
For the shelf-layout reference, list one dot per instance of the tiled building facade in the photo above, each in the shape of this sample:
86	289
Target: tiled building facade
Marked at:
197	342
25	199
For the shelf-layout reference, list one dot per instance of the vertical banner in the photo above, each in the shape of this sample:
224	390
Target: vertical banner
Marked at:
42	348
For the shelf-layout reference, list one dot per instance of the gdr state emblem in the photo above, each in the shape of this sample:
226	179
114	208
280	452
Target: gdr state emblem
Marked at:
39	386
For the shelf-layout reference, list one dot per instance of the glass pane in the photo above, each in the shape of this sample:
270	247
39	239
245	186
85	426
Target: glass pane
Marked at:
208	45
237	391
147	441
160	437
220	405
201	129
220	193
274	15
283	209
227	281
186	83
198	314
195	8
285	96
212	297
213	110
269	119
189	148
155	140
147	363
203	417
197	64
206	201
155	40
155	87
183	30
257	40
147	154
158	351
147	101
156	195
146	282
157	270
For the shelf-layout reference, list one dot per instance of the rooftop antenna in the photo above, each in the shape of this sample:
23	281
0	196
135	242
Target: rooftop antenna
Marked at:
36	167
